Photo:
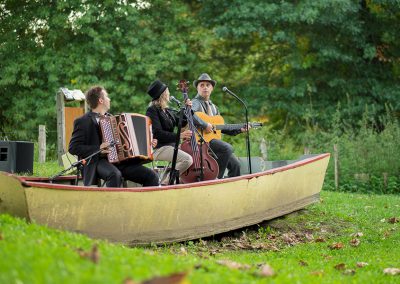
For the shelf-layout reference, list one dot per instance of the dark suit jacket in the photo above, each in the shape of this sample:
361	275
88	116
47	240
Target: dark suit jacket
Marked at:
85	140
163	124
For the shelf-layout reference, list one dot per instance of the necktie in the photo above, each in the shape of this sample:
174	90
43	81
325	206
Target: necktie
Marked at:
209	110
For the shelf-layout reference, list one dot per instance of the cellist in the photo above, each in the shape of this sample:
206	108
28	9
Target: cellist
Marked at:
164	120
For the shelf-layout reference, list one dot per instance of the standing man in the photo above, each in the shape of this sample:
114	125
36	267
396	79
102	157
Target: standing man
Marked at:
86	140
223	150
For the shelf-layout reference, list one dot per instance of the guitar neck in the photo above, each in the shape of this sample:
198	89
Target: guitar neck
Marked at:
236	126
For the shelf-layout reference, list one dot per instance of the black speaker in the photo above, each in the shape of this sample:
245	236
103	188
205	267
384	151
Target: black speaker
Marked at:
16	156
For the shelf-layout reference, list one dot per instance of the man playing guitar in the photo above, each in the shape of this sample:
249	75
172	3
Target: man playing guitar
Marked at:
223	150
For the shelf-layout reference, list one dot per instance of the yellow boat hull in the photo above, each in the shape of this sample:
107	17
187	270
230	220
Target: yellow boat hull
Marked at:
166	214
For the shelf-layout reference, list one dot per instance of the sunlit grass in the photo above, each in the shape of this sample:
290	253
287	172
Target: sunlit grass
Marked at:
301	241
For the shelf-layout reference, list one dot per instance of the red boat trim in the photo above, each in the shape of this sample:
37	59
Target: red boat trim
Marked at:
33	181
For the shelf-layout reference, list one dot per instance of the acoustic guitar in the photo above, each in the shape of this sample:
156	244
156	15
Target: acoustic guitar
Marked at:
218	125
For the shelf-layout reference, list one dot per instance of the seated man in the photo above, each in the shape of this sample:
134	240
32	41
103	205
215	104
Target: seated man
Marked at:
223	150
86	140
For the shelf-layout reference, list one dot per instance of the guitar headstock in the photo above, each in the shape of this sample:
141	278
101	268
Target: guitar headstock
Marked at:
183	86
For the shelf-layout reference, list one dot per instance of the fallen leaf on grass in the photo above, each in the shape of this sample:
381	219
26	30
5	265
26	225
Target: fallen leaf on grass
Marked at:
355	242
391	271
340	266
176	278
327	257
362	264
93	254
233	265
247	245
266	271
357	235
320	240
243	245
336	246
317	273
303	263
386	234
183	251
309	237
349	272
393	220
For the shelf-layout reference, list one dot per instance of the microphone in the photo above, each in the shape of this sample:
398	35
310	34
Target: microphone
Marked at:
226	90
175	100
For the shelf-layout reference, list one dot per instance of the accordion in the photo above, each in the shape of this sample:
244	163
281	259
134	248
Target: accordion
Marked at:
130	136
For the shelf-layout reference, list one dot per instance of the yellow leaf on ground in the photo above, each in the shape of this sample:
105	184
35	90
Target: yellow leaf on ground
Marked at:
392	271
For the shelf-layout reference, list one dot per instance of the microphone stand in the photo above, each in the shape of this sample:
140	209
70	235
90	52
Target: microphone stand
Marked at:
174	174
78	165
225	89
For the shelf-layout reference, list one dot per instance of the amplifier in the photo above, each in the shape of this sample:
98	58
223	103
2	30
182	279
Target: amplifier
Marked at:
16	156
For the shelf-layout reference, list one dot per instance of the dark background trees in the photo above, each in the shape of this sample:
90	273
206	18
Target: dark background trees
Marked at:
291	61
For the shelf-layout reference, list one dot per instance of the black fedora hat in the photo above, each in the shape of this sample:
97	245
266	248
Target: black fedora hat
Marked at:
156	89
204	77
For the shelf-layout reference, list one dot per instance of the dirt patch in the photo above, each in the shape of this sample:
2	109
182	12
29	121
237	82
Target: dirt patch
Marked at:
303	226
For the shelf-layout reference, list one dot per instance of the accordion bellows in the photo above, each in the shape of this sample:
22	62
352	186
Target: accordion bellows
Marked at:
131	135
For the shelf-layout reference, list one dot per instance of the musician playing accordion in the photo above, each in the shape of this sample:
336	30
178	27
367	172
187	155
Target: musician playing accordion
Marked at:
86	139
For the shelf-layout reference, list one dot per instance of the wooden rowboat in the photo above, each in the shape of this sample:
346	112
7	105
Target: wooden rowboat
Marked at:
169	213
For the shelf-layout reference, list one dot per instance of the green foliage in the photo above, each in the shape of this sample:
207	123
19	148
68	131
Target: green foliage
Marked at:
36	254
76	45
292	62
299	58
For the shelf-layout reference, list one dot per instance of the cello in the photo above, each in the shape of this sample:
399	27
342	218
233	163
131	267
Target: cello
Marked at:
204	166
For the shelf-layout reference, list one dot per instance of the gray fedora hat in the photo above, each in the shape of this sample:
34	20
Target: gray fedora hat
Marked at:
204	77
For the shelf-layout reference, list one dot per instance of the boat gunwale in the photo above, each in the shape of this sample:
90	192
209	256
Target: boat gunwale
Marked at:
31	181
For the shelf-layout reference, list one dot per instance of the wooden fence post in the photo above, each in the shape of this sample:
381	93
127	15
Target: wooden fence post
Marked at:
42	143
385	179
264	149
336	164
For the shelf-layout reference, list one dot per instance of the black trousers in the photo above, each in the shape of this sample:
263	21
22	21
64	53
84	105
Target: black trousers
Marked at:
226	158
129	170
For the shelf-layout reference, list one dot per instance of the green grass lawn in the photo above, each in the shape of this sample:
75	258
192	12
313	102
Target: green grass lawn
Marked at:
346	238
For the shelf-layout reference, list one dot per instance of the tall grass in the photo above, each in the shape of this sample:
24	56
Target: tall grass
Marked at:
369	154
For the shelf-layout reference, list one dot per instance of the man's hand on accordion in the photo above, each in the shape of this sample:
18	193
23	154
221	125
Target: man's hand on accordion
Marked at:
104	148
